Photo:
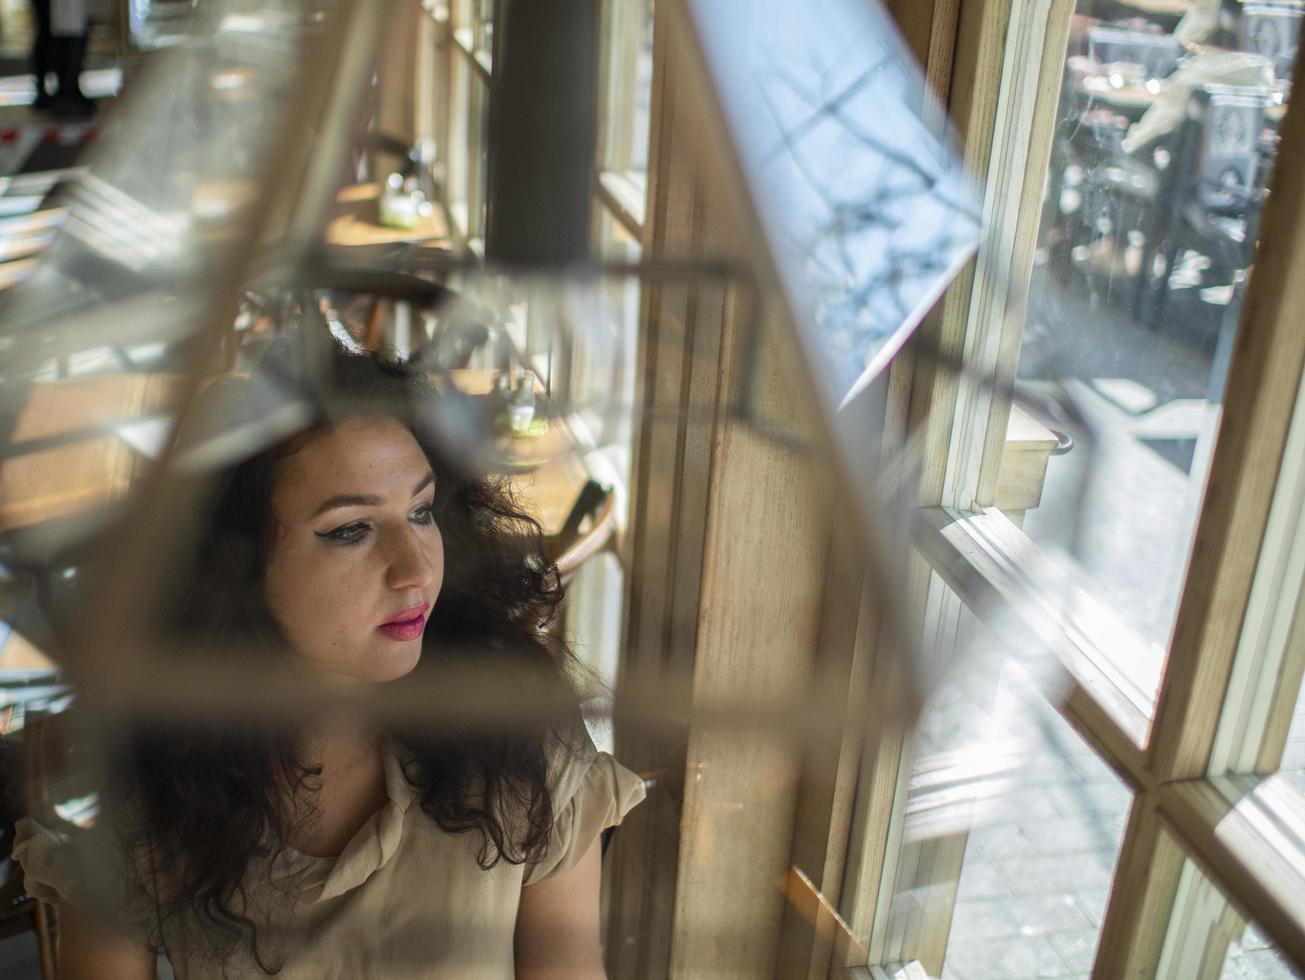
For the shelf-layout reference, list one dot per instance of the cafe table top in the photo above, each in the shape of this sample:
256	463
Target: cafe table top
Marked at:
356	222
1137	97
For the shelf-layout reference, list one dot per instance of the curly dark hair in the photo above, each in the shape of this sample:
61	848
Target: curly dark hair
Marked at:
206	801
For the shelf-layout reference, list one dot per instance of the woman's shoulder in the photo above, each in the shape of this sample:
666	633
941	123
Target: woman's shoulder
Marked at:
590	791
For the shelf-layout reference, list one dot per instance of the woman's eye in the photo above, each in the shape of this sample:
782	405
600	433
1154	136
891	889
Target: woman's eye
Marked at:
424	514
347	533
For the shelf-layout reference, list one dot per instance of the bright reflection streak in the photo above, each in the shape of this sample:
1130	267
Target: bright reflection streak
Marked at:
243	23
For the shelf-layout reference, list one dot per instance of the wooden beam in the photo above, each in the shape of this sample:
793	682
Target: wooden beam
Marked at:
1141	898
695	889
657	642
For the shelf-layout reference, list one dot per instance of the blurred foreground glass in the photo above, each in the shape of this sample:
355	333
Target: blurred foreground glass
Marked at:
1161	159
861	201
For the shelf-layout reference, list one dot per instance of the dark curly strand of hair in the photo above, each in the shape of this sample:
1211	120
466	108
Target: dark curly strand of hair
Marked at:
208	804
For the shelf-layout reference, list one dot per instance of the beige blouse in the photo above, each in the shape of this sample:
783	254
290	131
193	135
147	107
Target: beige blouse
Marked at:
403	899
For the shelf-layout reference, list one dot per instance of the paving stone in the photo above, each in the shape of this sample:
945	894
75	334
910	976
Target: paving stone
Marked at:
984	919
1054	875
1028	803
996	841
1002	960
1077	949
980	879
1093	902
1062	835
1042	914
1103	799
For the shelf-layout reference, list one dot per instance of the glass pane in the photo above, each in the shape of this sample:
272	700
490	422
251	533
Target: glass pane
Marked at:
593	630
1293	755
286	380
642	92
1164	143
628	61
465	142
1016	820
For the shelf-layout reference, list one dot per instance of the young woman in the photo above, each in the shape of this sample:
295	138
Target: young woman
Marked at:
360	552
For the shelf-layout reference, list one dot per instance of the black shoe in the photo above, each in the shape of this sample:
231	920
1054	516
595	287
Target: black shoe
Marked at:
72	105
44	100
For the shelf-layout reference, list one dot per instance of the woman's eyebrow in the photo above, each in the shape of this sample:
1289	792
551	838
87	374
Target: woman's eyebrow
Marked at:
365	500
426	481
348	500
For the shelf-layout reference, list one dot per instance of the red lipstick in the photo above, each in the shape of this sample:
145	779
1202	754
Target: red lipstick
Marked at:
408	625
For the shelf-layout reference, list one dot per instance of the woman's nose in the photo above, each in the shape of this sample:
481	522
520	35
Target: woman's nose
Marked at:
409	566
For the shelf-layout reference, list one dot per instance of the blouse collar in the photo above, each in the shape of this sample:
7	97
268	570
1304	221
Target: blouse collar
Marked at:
369	850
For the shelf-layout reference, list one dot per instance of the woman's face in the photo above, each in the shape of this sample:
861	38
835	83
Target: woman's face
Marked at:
356	559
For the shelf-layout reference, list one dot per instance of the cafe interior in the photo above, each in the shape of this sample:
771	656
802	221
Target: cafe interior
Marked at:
907	393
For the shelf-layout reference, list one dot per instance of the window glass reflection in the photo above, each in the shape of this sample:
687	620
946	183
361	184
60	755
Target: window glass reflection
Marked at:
1164	144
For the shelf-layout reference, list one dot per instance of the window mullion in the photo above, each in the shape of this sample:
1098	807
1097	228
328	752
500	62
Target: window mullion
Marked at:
1266	677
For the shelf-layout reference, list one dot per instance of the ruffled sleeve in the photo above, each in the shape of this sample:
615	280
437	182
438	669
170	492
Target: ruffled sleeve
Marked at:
591	792
82	869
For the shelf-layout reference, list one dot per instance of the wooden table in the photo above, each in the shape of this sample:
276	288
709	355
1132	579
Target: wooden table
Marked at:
357	222
1134	98
543	470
